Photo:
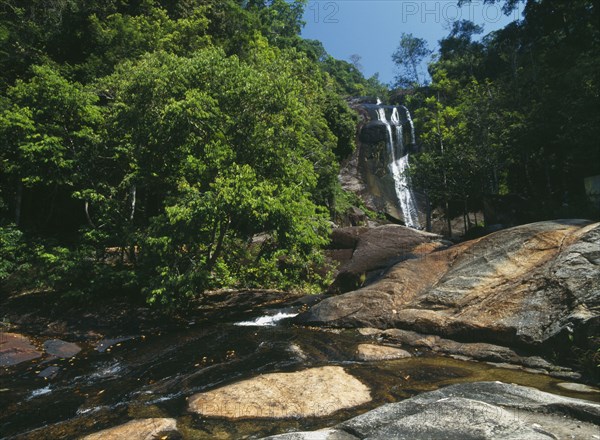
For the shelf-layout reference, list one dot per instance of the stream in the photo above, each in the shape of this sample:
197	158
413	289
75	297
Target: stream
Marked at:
152	375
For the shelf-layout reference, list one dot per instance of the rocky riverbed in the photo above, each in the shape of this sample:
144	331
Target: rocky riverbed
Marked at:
440	333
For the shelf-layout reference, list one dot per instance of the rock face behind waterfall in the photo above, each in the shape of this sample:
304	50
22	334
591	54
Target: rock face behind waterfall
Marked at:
368	173
523	286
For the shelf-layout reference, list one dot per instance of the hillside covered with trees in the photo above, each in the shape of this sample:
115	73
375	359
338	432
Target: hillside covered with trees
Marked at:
515	113
167	147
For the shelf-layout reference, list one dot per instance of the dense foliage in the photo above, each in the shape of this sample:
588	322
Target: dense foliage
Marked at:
516	113
167	147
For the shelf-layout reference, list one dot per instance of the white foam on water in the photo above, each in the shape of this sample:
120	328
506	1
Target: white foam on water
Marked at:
266	321
107	370
40	392
82	411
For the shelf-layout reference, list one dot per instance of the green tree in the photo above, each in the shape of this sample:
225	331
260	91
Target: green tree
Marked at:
50	132
408	57
436	170
459	55
516	108
223	150
171	146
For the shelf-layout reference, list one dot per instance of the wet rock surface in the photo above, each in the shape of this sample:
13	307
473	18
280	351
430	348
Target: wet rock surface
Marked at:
325	434
521	286
106	344
49	372
155	376
315	392
15	349
61	349
172	361
482	410
498	355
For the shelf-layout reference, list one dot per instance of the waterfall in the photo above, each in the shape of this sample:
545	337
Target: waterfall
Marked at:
399	163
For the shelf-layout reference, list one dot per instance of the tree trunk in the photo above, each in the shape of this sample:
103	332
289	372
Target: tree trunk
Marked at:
530	183
132	192
87	215
495	183
218	249
548	180
416	73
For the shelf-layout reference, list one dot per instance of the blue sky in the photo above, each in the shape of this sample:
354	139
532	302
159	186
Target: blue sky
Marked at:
372	28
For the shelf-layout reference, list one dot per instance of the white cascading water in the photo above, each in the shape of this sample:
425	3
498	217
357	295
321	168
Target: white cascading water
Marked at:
399	167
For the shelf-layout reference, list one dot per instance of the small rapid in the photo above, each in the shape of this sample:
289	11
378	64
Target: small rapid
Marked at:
267	321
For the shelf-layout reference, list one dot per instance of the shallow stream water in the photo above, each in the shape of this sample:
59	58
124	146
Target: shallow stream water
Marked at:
153	375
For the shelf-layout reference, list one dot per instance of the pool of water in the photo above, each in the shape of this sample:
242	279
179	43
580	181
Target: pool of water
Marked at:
153	375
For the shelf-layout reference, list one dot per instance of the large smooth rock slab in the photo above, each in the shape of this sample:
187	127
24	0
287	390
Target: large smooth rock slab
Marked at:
347	238
459	418
377	249
523	285
16	348
141	429
372	352
480	410
315	392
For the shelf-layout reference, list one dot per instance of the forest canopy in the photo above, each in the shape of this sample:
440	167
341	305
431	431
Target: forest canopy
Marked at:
167	147
515	113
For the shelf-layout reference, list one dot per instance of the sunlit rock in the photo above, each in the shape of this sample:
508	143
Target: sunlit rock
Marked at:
578	387
374	250
142	429
372	352
316	392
